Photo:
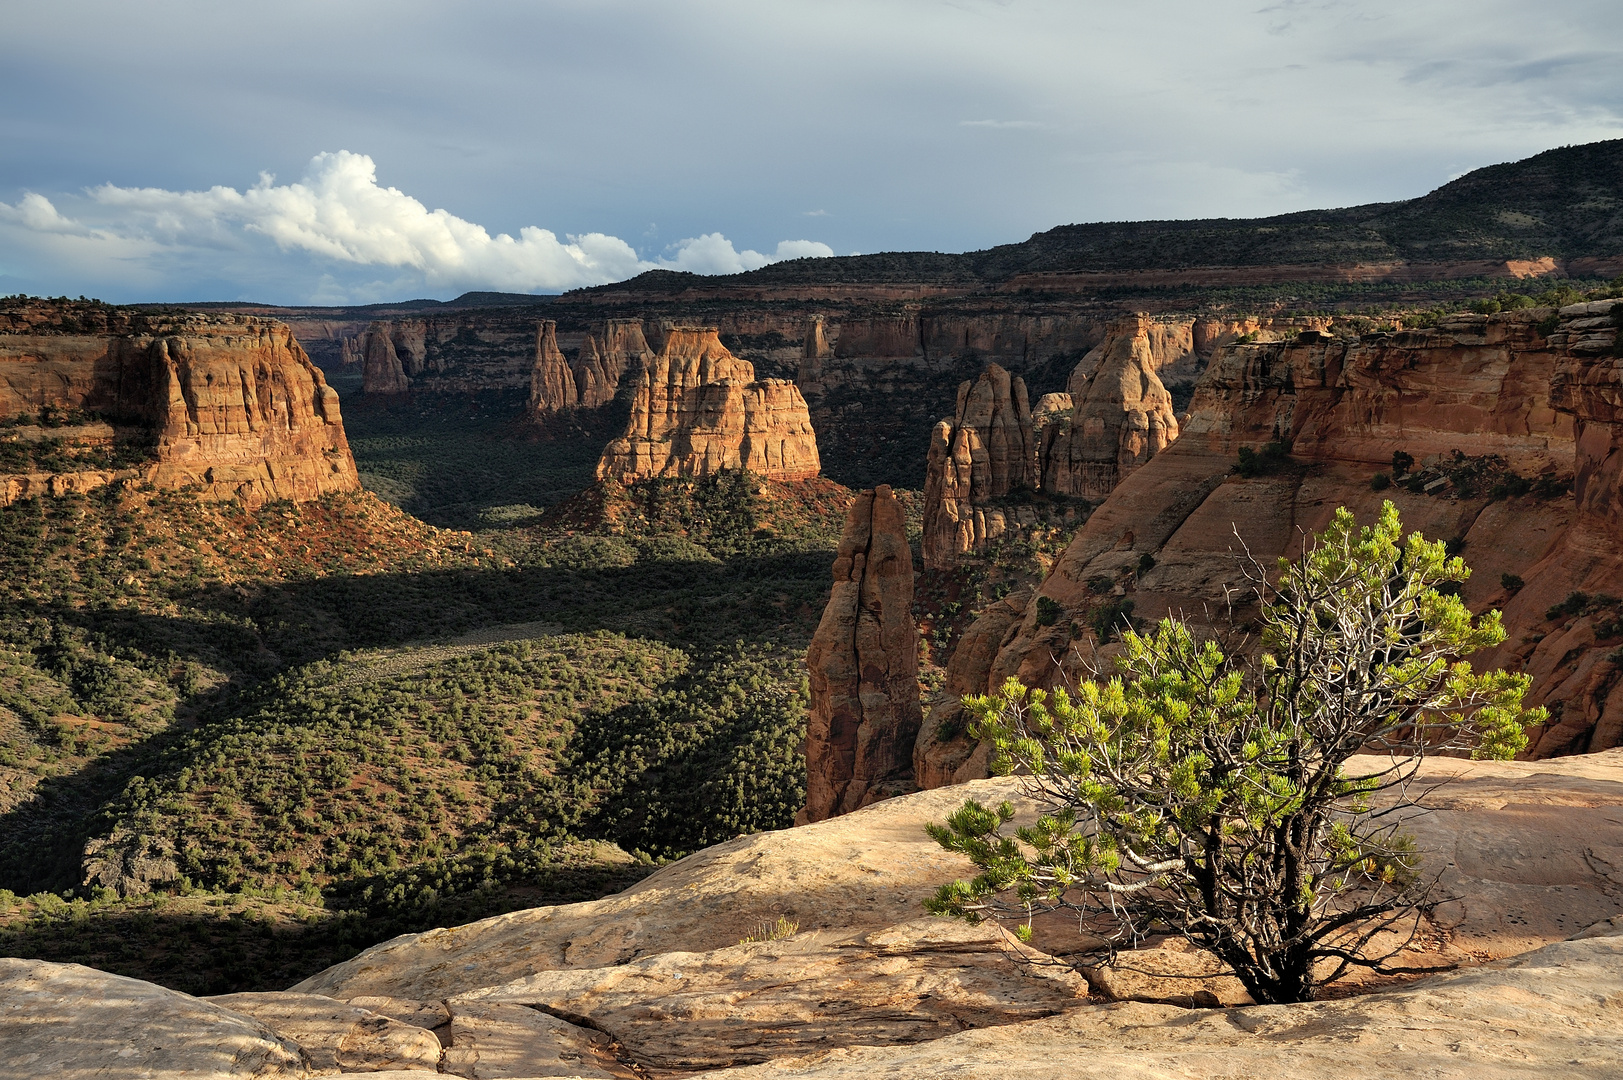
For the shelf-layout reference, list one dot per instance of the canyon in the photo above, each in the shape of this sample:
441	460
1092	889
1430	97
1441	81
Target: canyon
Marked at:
228	405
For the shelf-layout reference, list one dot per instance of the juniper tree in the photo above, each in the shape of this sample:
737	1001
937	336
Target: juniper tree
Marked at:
1207	796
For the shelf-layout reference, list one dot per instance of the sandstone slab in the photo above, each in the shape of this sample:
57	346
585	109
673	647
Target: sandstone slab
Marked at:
497	1041
759	1001
339	1037
1555	1012
74	1022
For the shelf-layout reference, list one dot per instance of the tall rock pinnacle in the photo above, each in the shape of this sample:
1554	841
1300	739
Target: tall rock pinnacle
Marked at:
863	664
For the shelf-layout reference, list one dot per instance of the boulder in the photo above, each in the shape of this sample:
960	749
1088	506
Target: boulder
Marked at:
698	410
758	1001
863	664
76	1023
337	1037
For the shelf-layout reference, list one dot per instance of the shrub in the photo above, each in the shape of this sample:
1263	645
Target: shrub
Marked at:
1048	611
1380	482
1510	582
1265	460
1191	796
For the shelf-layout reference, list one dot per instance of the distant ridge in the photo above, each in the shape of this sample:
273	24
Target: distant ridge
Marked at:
1566	204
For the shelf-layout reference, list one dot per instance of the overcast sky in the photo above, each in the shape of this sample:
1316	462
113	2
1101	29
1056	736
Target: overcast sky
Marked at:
347	152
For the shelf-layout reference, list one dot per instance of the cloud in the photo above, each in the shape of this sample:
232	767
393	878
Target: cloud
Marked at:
340	216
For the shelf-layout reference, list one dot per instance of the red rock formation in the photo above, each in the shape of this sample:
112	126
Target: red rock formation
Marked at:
552	384
983	453
863	664
1485	386
1121	413
606	359
698	409
231	403
381	369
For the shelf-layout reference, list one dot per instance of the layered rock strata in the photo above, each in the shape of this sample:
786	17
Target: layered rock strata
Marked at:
697	410
863	664
984	452
552	384
227	404
607	358
1484	405
1121	415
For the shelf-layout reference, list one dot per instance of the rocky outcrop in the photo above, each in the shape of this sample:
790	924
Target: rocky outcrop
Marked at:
607	358
381	369
227	404
337	1037
552	384
64	1020
863	663
1550	1014
697	409
1473	399
984	453
1121	415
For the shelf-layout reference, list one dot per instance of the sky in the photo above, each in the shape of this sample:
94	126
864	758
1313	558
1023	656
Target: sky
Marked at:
342	151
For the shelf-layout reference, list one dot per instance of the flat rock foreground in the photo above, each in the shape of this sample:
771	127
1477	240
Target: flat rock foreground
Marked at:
854	980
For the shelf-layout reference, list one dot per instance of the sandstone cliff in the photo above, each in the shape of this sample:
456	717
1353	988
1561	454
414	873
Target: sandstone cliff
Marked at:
1486	406
229	404
863	663
381	369
697	409
608	357
552	384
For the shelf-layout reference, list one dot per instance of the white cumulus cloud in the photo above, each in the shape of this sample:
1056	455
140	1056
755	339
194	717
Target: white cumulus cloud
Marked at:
339	215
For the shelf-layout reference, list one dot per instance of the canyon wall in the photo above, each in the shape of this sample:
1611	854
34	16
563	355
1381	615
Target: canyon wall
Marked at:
863	666
228	404
698	409
1498	414
462	353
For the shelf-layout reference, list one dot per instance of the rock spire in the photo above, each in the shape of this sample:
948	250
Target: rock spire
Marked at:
863	664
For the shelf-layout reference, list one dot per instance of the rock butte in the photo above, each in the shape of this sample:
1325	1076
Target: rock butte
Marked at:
1533	848
1479	385
603	360
863	663
231	404
697	409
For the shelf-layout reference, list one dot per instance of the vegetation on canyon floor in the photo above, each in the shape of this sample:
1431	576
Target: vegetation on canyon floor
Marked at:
309	727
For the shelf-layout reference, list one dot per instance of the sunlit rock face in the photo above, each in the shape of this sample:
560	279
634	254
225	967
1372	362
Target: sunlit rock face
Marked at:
984	452
229	404
697	410
863	664
1500	414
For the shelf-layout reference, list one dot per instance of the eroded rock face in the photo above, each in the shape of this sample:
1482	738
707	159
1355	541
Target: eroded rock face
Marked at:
983	453
1121	414
381	369
863	664
698	409
1482	386
607	358
230	403
552	384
